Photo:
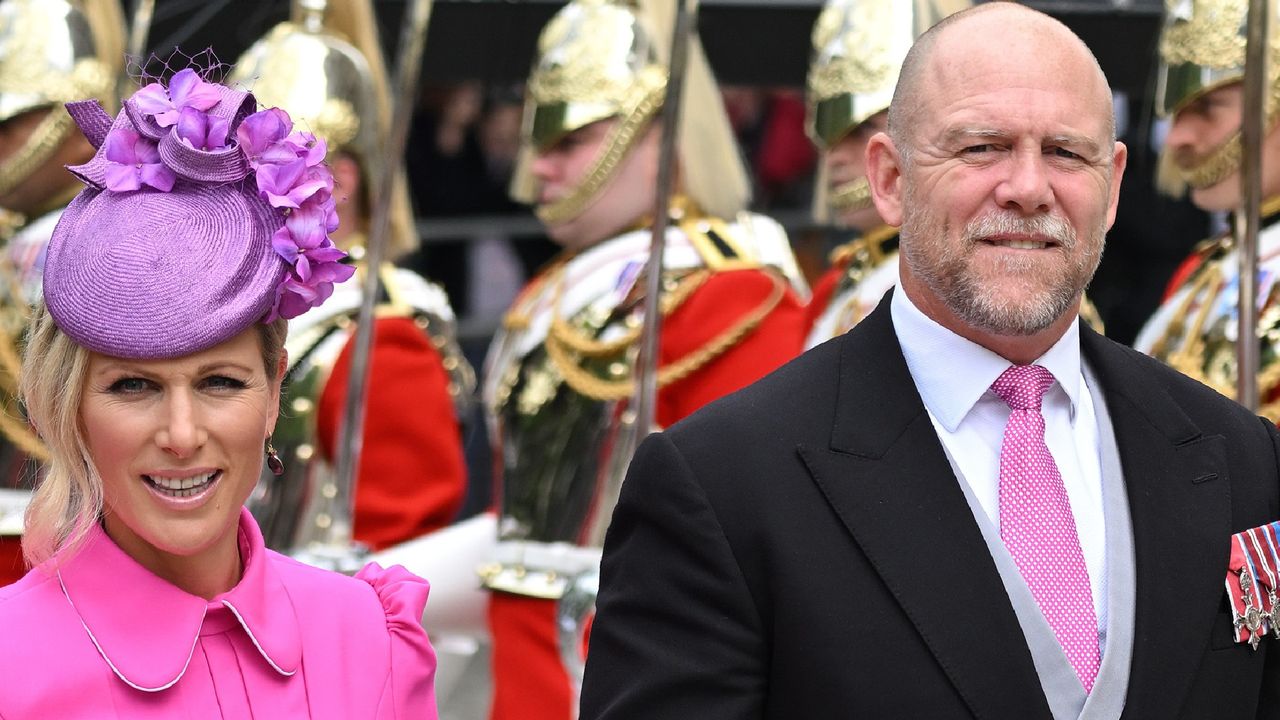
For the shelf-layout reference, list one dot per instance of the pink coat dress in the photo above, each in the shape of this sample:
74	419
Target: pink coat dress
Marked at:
101	637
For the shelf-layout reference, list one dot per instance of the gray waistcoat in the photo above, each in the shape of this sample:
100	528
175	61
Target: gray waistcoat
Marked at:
1066	697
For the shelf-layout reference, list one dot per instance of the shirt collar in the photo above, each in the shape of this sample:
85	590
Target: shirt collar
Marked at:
146	629
950	389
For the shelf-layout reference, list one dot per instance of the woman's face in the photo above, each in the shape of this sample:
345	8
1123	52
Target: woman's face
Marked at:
179	446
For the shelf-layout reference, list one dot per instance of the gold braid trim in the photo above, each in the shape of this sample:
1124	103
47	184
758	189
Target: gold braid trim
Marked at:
872	243
1268	379
617	144
519	316
1270	207
15	430
23	438
44	142
587	346
587	384
1089	313
1188	357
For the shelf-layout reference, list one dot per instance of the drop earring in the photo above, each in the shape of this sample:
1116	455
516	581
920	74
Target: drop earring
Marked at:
273	459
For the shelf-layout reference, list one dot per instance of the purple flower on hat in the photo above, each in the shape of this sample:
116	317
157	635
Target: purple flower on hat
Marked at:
288	185
295	296
134	161
202	131
326	274
260	137
307	146
186	90
304	242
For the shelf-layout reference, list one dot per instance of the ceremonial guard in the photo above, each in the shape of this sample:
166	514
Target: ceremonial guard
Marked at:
858	48
325	68
51	52
1200	88
562	370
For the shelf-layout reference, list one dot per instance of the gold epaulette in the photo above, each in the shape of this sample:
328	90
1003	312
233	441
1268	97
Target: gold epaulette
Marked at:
868	248
863	255
1090	315
717	244
572	350
1215	245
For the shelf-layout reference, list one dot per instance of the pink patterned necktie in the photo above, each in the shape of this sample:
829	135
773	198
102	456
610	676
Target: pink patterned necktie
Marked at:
1036	523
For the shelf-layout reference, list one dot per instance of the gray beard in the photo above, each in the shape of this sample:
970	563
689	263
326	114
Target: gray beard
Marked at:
945	270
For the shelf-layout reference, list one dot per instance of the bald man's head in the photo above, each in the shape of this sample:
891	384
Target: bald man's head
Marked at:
994	32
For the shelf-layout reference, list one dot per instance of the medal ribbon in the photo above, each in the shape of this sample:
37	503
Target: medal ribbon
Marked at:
1271	533
1266	594
1251	584
1235	591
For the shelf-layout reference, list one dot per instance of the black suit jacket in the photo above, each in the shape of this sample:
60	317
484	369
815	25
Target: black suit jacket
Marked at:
801	549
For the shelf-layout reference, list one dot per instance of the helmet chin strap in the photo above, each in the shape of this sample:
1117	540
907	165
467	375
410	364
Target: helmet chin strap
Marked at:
39	148
1214	167
617	144
851	196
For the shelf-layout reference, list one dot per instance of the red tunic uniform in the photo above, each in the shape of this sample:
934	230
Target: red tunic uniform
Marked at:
412	476
530	682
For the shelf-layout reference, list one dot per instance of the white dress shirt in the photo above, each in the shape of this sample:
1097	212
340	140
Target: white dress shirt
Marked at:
954	377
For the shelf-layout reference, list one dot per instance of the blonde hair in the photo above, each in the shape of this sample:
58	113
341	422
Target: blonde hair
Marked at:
67	500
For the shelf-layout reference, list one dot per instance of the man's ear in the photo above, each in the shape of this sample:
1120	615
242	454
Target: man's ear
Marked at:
1119	160
884	173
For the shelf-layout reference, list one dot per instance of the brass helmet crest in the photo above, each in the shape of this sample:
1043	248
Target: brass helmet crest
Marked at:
600	59
1202	48
858	49
325	68
53	52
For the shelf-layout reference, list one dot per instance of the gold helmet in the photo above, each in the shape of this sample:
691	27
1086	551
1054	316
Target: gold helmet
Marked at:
599	59
1202	48
325	68
53	52
858	49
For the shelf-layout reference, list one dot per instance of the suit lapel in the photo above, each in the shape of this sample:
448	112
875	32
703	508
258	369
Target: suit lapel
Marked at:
888	478
1179	503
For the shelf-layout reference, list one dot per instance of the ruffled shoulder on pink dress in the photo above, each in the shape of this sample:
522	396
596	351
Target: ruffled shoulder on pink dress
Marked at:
410	688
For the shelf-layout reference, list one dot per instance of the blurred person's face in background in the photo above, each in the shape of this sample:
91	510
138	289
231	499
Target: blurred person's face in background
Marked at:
846	166
1197	135
500	138
625	200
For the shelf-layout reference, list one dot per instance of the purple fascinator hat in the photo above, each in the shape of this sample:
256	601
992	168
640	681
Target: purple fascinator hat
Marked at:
201	217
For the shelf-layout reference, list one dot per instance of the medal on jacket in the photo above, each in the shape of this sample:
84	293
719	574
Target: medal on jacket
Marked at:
1271	538
1264	574
1240	590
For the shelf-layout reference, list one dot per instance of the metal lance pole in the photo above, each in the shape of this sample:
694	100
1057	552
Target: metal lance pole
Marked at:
339	552
578	604
1249	217
139	28
647	364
